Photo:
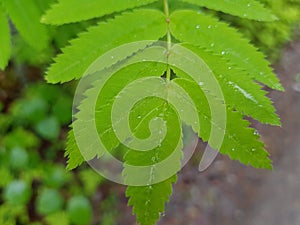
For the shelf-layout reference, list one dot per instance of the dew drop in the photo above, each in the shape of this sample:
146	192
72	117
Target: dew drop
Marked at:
253	149
212	45
229	67
209	27
139	117
201	83
112	57
198	26
223	52
233	149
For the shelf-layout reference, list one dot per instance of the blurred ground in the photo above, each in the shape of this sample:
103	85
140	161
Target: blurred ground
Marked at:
229	193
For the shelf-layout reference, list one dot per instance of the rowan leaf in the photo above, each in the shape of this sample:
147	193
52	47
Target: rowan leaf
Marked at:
137	94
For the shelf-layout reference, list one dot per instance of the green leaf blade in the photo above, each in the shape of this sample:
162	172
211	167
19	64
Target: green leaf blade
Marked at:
69	11
240	91
149	201
253	10
102	38
242	143
239	142
204	31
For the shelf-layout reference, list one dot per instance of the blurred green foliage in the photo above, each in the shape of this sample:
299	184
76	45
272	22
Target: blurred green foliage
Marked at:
35	187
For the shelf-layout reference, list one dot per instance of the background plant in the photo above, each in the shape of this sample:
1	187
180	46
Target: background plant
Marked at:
35	188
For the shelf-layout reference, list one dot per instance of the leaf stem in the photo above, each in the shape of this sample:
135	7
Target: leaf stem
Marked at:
169	37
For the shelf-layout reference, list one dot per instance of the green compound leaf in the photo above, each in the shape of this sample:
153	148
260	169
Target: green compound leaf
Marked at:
207	32
128	110
68	11
240	91
249	9
106	36
25	16
4	39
